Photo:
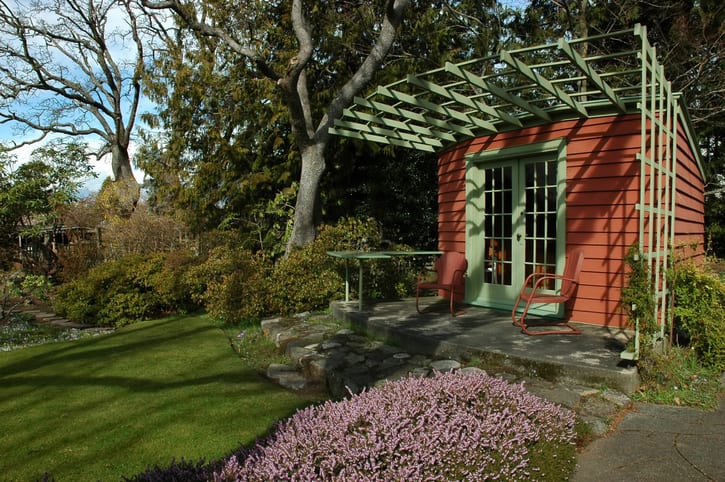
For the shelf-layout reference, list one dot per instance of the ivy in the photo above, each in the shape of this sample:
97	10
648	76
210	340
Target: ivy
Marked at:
698	310
638	297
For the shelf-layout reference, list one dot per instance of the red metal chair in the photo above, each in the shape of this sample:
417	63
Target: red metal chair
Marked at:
535	294
451	269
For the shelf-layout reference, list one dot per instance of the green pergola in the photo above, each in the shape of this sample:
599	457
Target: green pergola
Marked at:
602	75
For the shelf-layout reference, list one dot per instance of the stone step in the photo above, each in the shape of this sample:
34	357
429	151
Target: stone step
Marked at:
42	316
324	356
287	376
343	360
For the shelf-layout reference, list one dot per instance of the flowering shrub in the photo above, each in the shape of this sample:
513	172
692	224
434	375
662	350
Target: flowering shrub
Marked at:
452	426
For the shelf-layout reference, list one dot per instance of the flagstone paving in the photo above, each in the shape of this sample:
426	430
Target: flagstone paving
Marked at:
325	356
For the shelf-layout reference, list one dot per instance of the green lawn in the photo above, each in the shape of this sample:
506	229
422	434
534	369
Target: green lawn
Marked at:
103	407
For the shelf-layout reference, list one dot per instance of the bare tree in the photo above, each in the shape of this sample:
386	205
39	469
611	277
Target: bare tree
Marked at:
310	133
74	68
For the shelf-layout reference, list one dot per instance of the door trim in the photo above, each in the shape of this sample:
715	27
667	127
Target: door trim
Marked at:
475	291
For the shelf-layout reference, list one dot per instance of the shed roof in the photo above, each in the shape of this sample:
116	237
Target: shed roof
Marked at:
614	73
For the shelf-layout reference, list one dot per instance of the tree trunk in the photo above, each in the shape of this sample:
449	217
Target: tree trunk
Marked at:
307	208
313	142
127	189
121	163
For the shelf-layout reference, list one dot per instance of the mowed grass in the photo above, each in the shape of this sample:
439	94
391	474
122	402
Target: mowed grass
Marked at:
100	408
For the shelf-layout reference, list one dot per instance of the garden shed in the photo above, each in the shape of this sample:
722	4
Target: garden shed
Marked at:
577	144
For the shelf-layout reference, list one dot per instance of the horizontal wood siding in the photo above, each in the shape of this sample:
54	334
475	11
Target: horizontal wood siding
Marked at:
452	201
602	190
690	203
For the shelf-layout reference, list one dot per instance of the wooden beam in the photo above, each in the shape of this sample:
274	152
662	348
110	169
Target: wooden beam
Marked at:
471	121
480	106
418	117
591	74
380	139
411	125
371	129
496	91
527	86
543	82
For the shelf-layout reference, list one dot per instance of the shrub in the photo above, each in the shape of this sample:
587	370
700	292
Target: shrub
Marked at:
230	283
82	299
130	289
144	232
77	259
308	278
182	470
699	313
384	279
171	283
353	234
84	249
17	288
638	295
678	378
118	198
715	234
452	426
305	280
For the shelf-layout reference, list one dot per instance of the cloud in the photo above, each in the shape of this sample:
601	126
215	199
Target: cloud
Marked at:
102	166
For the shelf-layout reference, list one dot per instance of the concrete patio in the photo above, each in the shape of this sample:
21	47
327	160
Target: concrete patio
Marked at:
489	335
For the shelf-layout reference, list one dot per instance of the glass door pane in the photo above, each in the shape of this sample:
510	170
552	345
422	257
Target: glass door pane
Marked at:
540	213
514	218
498	198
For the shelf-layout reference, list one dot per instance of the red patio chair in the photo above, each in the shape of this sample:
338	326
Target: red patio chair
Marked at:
451	269
532	292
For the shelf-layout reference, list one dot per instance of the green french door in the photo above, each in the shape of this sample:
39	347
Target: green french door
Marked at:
515	219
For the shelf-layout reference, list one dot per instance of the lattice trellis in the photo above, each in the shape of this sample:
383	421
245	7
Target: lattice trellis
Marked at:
598	75
603	75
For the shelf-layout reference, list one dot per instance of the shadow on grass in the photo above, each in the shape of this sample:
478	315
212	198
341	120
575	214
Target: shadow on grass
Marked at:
100	408
125	340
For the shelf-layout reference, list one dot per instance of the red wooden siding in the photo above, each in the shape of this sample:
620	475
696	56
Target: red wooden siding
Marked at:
690	202
452	201
601	193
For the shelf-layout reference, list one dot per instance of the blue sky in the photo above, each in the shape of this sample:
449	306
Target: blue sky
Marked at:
11	134
102	166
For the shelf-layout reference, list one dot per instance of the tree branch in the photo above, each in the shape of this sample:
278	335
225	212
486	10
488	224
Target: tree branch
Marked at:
394	13
188	14
65	72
